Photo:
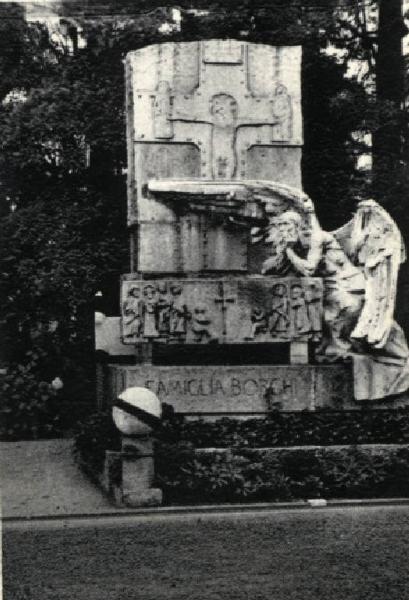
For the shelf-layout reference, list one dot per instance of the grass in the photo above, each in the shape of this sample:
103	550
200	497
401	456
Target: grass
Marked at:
337	554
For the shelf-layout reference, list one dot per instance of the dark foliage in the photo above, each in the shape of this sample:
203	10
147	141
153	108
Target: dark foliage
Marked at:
257	476
293	429
29	407
227	460
93	437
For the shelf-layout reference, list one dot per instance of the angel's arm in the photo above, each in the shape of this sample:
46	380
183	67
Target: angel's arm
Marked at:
307	266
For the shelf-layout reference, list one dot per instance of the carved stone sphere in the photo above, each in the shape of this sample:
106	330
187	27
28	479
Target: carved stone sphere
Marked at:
138	398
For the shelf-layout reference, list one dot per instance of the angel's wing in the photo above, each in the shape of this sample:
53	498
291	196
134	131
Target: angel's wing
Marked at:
344	236
373	241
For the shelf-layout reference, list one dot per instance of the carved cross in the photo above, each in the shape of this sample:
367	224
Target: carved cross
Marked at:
224	301
222	113
226	115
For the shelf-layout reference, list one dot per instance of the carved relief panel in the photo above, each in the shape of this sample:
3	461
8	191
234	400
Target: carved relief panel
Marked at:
259	310
273	309
209	110
181	311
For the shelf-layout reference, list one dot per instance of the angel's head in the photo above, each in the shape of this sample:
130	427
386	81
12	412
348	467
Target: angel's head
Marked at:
285	227
373	223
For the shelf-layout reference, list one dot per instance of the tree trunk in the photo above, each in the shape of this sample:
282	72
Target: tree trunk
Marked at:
387	136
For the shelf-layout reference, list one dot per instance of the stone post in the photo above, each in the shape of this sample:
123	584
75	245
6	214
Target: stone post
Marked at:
136	413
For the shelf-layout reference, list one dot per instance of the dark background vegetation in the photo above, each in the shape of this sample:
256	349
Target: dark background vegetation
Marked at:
316	454
63	160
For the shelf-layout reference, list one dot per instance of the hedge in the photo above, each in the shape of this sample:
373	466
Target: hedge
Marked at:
239	467
321	428
188	476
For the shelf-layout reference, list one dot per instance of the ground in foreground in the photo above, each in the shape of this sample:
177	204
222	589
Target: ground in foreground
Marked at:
341	554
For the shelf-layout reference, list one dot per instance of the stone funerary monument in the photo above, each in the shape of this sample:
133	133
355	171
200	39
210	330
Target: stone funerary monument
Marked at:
227	252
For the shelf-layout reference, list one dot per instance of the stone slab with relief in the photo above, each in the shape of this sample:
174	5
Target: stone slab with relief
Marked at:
215	110
239	310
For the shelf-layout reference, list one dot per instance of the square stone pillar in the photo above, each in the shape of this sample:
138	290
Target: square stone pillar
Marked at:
138	472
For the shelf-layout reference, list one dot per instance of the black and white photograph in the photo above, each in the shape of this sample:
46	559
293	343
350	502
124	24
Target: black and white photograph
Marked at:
204	362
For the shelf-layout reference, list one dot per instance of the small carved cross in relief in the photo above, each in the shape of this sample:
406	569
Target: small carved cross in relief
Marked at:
224	302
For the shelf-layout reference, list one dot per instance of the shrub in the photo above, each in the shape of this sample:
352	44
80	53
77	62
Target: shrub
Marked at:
324	427
187	472
92	437
262	477
29	407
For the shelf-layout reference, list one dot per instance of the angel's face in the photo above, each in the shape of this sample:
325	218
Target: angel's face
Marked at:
375	230
288	229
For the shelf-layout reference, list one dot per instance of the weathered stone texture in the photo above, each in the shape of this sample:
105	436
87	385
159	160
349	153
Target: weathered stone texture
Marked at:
213	110
253	310
236	389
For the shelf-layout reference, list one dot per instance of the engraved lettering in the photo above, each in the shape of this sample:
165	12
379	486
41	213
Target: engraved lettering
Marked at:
235	387
175	387
217	387
149	383
202	389
189	385
161	390
250	387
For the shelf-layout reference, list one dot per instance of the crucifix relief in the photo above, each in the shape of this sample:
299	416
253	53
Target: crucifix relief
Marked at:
216	110
225	115
222	116
223	108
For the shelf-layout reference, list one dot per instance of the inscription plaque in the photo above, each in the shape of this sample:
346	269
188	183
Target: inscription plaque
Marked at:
228	390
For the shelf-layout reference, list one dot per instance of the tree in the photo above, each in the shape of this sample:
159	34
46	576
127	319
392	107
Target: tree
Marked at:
63	154
387	138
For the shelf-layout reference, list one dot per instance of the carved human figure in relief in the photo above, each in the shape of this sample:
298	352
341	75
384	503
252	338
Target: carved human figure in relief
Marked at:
223	109
178	313
282	111
314	309
150	303
133	310
300	323
258	323
163	309
202	324
279	320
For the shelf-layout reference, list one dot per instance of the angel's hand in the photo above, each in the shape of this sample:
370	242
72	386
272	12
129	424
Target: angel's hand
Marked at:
269	264
290	252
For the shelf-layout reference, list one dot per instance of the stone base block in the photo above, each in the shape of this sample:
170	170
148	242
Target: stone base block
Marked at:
150	497
246	390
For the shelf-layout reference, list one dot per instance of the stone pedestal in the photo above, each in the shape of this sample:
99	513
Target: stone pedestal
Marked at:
138	472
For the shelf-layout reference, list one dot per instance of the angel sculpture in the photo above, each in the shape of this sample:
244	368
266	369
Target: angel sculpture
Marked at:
359	264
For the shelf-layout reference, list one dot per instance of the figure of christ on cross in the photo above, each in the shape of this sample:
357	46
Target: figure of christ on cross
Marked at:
223	113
